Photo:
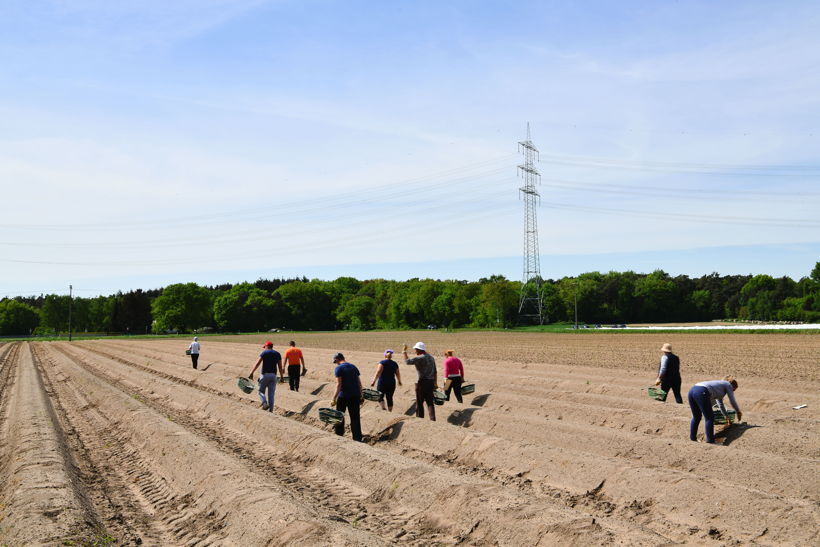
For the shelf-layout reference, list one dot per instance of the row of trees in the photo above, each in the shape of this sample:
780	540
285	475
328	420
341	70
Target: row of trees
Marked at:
348	303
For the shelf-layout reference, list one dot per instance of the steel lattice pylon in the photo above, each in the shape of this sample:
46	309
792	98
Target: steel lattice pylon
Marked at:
530	307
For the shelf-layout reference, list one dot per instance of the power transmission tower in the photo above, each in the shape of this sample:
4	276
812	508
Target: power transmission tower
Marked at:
530	308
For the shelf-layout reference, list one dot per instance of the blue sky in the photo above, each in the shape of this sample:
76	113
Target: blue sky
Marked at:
147	143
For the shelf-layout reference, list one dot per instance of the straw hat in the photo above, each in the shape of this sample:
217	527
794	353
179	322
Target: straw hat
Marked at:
667	348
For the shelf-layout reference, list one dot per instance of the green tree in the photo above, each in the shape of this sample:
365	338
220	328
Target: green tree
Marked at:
656	293
54	313
498	305
244	308
757	298
131	312
310	305
357	313
101	313
17	318
584	291
182	307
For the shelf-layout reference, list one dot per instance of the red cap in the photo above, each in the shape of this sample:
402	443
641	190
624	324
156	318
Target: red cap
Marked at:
268	343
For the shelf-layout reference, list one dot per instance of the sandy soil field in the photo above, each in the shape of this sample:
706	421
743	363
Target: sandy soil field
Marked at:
121	442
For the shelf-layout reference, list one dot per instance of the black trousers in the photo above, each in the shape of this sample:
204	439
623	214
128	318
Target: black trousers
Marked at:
455	385
293	376
424	394
194	359
674	385
387	391
352	405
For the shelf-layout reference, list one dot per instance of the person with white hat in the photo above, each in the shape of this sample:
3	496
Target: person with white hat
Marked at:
669	373
193	349
427	381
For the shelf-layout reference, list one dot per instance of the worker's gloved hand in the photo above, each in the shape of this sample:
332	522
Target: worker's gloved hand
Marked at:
250	376
657	382
361	399
304	371
739	416
333	402
281	379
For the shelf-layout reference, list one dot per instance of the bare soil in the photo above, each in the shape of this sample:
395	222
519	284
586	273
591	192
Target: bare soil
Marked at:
121	442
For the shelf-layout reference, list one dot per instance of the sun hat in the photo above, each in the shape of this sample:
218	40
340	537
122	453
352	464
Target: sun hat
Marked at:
421	346
338	357
667	348
267	344
388	352
196	338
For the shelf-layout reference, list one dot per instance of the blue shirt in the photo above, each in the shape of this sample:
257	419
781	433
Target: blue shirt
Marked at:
350	380
270	361
388	376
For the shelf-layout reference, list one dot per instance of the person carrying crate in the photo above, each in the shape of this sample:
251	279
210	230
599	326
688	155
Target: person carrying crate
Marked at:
701	397
669	373
348	395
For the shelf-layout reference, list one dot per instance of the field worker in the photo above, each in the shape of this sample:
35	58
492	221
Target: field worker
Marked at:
701	397
271	360
194	349
669	373
296	365
427	381
348	395
453	374
387	373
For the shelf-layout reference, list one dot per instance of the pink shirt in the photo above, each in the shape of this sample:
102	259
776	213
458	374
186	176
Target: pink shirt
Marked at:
453	366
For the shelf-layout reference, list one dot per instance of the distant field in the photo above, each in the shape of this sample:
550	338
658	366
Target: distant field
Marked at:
122	440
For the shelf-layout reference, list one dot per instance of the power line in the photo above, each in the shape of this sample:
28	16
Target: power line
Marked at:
751	221
688	168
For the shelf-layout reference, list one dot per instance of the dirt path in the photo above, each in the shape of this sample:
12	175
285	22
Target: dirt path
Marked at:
141	448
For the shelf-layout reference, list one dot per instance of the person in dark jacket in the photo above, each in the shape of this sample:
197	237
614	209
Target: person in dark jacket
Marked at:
386	375
348	395
669	373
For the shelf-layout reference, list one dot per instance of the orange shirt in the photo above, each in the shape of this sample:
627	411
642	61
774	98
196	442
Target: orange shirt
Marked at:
292	356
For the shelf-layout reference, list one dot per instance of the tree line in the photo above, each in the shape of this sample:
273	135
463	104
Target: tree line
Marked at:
348	303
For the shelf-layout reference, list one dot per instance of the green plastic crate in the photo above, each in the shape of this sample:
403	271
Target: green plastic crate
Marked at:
371	394
656	393
720	420
245	385
331	416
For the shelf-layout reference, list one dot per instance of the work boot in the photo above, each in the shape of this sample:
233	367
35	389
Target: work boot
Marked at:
265	406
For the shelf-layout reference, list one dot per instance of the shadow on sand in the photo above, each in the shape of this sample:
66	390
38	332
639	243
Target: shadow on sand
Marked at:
480	400
463	418
389	433
734	432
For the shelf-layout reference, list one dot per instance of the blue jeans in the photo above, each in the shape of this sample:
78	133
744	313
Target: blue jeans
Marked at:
268	381
700	402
